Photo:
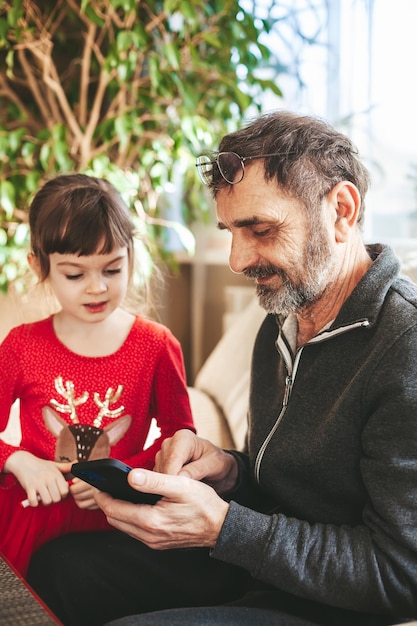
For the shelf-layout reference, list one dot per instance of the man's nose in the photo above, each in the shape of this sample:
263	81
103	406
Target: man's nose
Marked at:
242	255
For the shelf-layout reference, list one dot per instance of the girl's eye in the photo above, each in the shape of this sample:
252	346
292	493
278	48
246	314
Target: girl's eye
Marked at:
73	276
112	272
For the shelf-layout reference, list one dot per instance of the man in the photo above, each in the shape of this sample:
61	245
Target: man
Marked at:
317	524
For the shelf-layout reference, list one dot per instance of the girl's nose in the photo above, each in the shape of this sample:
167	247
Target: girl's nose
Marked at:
96	284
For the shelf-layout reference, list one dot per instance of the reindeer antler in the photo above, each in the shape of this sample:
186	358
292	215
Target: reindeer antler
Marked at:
109	398
67	391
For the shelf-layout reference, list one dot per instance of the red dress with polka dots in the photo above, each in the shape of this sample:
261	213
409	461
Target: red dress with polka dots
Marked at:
73	406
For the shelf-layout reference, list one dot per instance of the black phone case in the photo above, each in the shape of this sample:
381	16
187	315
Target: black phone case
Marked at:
110	475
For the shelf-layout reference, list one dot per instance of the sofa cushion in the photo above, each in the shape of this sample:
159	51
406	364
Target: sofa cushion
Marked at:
225	376
209	419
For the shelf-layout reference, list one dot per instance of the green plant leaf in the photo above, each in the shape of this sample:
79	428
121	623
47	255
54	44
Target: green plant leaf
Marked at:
170	51
21	236
44	156
60	151
4	29
122	128
7	198
14	13
212	40
170	6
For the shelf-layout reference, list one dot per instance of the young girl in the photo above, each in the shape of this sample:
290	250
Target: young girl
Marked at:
90	379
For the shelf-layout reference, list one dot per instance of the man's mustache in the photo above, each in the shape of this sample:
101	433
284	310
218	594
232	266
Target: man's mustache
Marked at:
264	271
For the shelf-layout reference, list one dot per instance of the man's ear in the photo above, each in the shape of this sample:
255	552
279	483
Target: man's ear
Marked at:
346	199
34	265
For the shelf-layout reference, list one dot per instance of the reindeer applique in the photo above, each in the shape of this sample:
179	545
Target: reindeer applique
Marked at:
82	441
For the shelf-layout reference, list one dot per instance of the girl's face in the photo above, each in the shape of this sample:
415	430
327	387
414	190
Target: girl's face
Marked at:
89	288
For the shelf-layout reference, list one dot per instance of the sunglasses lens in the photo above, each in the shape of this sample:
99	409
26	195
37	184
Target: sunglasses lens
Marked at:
230	166
205	168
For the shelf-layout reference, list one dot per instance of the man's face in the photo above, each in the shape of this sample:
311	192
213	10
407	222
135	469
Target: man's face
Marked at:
274	243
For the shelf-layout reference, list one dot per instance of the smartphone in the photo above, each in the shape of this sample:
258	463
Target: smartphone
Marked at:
110	475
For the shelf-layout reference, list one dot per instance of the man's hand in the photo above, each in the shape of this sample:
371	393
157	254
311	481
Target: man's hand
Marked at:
190	514
185	454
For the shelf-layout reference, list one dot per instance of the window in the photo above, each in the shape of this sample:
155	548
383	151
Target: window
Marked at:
352	62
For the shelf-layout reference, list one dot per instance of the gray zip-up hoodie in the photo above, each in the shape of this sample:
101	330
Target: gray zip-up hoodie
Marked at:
332	461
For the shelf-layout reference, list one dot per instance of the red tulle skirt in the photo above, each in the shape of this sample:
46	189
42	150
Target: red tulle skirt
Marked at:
24	530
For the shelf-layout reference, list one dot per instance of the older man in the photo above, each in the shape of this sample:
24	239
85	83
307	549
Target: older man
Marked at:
317	523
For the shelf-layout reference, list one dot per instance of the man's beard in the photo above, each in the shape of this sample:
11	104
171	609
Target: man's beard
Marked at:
313	277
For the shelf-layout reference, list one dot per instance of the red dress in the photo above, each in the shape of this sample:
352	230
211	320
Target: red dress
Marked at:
112	399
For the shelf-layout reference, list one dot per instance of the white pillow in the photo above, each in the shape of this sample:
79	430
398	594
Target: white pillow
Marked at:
225	376
209	419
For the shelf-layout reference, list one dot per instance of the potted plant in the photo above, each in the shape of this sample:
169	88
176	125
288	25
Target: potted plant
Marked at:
129	90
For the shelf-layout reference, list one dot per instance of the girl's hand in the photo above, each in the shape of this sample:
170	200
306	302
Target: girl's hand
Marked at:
83	494
39	477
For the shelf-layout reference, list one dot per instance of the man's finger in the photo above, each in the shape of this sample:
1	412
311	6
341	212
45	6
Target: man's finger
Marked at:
154	482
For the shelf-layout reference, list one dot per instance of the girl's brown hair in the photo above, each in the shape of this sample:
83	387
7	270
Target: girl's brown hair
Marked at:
78	214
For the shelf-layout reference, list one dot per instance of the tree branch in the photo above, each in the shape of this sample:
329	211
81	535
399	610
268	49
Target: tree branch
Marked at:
33	86
76	8
104	79
11	95
51	79
85	72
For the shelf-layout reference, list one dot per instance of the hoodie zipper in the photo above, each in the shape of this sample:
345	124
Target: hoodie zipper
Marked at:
291	367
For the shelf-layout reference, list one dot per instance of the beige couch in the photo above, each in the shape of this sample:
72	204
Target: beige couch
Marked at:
219	397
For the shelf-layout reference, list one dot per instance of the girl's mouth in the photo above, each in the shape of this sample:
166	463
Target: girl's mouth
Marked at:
95	307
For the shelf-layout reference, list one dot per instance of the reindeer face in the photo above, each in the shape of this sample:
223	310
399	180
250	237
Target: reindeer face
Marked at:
80	441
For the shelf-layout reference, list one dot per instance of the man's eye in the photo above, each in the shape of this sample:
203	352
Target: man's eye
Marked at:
262	233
